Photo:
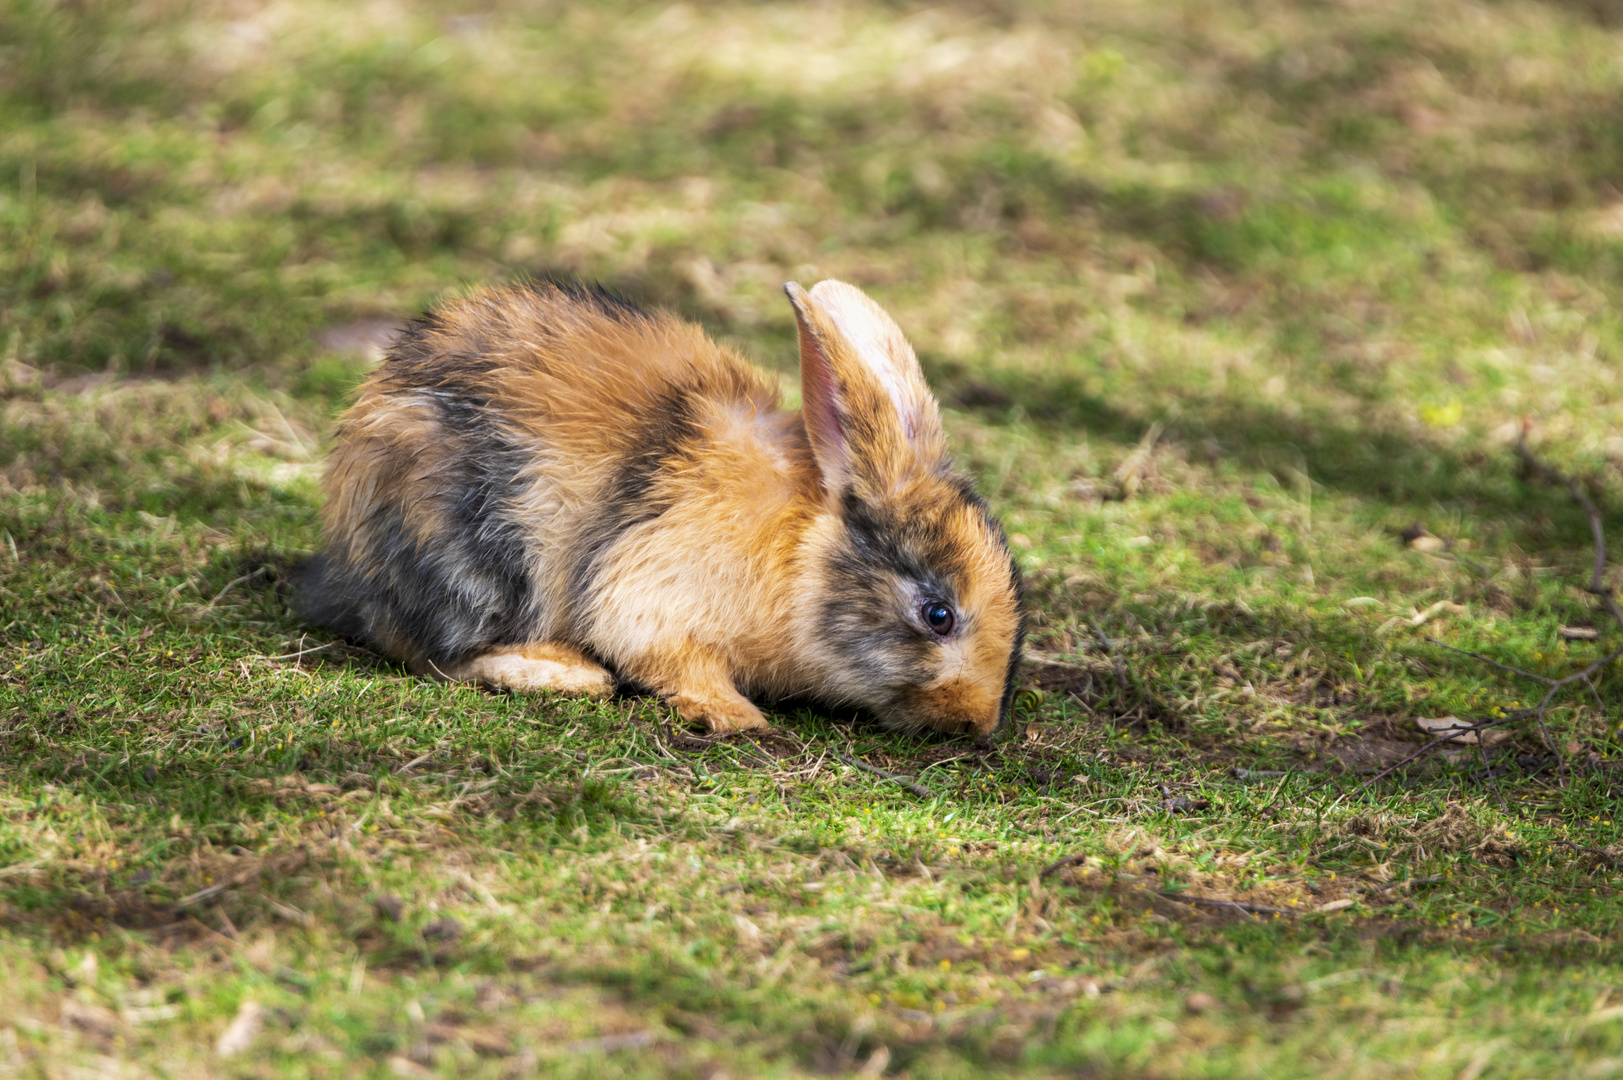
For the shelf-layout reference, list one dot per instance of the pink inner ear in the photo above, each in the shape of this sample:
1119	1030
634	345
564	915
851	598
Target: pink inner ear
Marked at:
819	400
874	340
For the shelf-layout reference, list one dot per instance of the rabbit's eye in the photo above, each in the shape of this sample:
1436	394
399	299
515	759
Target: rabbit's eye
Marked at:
938	617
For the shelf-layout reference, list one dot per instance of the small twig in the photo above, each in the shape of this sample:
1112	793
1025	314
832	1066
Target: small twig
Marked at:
918	789
1069	860
1406	882
1599	704
1544	733
289	912
1490	660
1597	580
207	929
947	761
1457	733
1233	905
295	655
1590	670
1421	618
1115	658
1536	468
1487	765
608	1044
1599	853
233	584
202	894
1482	571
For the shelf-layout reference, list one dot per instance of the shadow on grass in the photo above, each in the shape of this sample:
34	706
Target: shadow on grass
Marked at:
1365	456
194	834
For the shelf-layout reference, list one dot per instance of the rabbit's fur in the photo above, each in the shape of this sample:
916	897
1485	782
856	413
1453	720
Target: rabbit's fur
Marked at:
543	484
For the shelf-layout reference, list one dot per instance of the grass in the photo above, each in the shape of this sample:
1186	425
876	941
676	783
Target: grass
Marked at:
1220	299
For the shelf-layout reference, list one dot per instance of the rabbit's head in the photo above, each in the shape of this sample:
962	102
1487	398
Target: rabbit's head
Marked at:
917	606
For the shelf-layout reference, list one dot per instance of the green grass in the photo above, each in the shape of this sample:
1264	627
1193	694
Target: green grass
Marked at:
1220	300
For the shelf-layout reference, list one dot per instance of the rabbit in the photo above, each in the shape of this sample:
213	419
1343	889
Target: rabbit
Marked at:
544	487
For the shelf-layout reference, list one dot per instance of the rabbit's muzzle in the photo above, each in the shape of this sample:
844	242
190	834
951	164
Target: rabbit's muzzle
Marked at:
954	706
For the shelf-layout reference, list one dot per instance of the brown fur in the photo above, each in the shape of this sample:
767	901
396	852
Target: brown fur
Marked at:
542	484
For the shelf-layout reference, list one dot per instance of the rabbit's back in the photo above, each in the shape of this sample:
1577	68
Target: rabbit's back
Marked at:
510	441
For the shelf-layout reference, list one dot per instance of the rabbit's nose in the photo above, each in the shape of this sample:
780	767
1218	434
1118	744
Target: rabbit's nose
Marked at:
983	726
959	706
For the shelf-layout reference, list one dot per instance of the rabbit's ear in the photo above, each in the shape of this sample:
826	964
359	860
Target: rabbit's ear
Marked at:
866	404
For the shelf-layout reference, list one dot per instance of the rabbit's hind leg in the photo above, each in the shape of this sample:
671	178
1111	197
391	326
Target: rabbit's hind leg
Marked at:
540	665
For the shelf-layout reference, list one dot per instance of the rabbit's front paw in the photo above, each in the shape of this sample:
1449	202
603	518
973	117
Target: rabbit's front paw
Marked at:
721	711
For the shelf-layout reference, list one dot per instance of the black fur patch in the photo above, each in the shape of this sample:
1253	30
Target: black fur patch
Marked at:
443	597
888	648
597	298
322	594
1013	673
662	432
469	588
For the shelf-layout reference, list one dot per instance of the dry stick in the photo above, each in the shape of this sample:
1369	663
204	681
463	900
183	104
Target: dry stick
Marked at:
1234	905
233	584
295	655
1552	684
1597	586
918	789
203	894
1555	685
1069	860
1544	733
1597	579
1597	852
1490	660
1110	650
1202	901
1600	704
1458	733
1406	882
1488	767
